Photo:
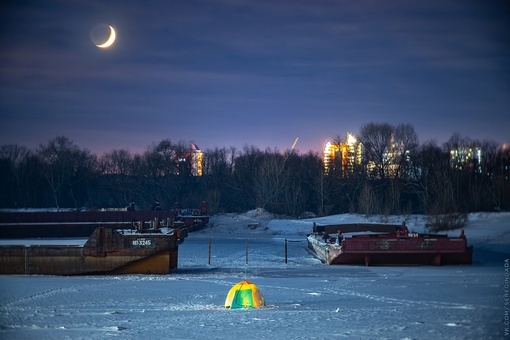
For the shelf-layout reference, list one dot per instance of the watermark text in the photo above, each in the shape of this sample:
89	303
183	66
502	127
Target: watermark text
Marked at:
506	297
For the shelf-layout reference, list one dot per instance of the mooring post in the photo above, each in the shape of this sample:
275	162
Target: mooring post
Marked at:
26	261
209	255
285	251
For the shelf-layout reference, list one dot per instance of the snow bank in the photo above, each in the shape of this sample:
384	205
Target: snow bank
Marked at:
481	227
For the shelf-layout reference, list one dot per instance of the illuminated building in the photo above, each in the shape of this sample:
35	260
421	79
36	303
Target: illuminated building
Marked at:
395	156
190	161
463	157
196	160
503	152
343	157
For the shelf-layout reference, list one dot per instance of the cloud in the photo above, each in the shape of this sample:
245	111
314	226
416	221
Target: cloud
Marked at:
303	63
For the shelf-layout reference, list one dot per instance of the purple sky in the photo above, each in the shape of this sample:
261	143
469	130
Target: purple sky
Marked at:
232	72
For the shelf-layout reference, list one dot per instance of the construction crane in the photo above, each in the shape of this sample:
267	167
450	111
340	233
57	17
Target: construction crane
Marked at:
293	144
291	150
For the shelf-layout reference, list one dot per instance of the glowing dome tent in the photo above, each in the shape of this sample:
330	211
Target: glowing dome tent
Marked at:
244	295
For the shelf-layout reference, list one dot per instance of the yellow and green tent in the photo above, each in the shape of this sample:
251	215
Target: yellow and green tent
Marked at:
244	295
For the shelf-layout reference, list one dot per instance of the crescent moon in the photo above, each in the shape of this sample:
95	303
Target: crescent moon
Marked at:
111	39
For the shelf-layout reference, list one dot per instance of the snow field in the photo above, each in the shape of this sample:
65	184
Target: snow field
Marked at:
305	299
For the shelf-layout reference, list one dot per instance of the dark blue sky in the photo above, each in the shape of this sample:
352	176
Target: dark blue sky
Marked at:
231	72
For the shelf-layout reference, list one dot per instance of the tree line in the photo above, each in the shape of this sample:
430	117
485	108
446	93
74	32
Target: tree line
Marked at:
421	180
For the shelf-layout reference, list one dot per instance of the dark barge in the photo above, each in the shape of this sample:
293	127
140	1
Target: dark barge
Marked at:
34	224
107	251
119	241
385	244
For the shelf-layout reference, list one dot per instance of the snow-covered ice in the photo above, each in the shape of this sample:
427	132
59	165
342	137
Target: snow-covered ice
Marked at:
305	298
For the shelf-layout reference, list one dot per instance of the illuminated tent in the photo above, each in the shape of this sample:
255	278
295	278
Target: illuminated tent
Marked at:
244	295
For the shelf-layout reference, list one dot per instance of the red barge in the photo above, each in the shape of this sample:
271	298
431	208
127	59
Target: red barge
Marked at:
386	244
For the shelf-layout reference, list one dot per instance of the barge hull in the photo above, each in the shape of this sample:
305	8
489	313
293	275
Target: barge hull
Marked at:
106	252
83	223
385	249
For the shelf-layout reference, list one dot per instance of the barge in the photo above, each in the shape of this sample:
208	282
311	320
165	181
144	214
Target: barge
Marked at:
118	241
33	224
191	219
107	251
386	244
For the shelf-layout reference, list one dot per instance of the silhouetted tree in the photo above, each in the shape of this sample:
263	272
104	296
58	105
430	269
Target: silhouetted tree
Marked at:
400	176
268	180
65	166
13	167
118	171
376	139
406	145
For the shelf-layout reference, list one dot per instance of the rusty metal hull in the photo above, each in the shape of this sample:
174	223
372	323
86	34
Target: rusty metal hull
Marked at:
390	249
106	252
192	222
22	224
75	223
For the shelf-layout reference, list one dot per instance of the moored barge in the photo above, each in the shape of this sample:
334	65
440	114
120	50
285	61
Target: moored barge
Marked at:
384	244
107	251
33	224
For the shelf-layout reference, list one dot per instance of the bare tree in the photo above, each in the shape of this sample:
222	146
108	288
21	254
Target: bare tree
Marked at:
233	155
392	197
368	203
118	167
338	140
64	166
161	158
16	158
455	141
216	172
163	162
405	148
117	162
216	162
376	139
430	162
320	184
268	180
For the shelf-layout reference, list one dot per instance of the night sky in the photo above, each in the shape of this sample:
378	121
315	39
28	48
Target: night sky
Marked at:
262	72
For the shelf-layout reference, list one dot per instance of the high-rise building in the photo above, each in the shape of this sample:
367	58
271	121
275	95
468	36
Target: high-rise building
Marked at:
196	160
466	157
343	157
190	162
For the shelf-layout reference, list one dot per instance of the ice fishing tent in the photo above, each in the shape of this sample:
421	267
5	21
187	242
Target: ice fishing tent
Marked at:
244	295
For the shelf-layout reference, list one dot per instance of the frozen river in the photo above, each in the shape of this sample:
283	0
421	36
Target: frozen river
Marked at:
305	299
